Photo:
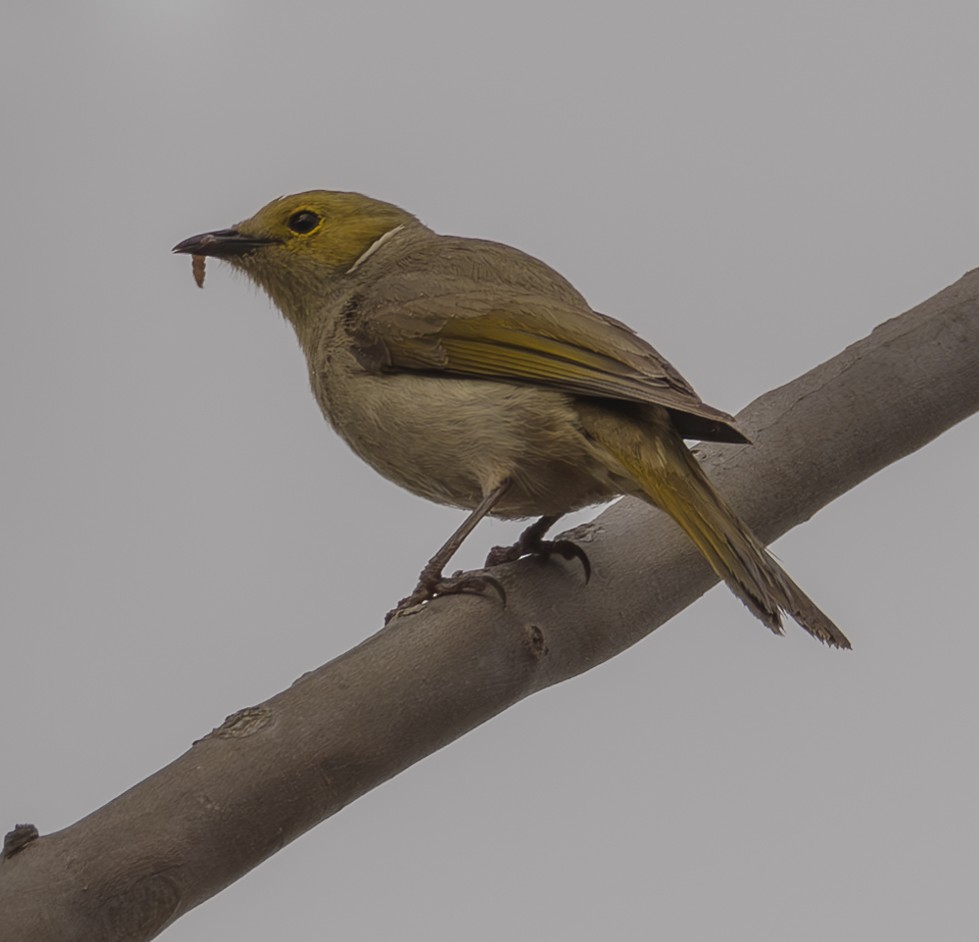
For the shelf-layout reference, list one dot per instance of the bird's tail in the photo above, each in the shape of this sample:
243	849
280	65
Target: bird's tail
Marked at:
671	478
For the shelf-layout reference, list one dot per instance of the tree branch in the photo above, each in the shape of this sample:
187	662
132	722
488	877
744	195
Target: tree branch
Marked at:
272	771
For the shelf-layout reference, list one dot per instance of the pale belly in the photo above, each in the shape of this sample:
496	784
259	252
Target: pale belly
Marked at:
455	440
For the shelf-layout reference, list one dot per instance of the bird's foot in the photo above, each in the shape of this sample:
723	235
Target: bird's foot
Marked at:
531	544
433	585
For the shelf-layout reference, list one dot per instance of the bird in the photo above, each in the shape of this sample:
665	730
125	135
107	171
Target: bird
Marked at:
476	376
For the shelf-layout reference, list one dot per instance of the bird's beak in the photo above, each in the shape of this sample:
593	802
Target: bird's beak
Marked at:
224	243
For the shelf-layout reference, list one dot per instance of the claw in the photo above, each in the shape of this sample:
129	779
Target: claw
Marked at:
431	588
542	548
479	583
569	550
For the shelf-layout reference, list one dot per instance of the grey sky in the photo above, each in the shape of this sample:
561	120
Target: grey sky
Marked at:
752	186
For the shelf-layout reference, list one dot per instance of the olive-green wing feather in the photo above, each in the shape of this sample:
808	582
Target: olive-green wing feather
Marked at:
529	339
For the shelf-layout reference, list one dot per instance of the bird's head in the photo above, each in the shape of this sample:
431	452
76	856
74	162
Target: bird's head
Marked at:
298	247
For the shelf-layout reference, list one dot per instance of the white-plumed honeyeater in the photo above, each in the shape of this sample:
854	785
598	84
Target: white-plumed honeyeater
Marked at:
474	375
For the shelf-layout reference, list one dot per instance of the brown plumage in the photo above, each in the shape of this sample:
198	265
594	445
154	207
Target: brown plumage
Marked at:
474	375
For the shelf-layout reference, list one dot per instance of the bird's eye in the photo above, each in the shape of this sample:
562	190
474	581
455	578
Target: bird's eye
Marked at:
304	221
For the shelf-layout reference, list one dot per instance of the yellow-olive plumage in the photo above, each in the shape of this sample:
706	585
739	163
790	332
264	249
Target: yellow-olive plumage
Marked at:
476	376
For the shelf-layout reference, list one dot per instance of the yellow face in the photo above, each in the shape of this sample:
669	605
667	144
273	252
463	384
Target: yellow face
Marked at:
326	227
299	247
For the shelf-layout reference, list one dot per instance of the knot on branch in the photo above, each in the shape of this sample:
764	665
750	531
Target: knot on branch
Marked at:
16	840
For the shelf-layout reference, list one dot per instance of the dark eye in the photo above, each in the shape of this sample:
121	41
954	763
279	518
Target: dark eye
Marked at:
304	221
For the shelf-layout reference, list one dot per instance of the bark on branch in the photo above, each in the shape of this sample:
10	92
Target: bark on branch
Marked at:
272	771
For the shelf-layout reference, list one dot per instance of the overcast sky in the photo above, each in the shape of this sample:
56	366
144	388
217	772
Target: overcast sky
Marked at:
753	186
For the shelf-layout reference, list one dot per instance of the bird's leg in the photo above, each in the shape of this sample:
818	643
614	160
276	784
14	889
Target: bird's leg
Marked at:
532	542
432	582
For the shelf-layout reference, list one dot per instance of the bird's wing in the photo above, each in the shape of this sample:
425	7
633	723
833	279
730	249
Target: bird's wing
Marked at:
533	340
